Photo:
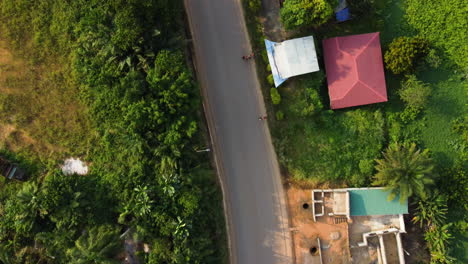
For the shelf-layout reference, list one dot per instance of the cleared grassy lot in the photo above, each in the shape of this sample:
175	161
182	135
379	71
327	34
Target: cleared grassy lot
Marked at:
40	110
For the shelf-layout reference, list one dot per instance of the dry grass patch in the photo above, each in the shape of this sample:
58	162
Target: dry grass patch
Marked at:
40	110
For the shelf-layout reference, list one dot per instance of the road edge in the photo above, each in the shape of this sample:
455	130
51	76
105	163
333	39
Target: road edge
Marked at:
274	157
230	237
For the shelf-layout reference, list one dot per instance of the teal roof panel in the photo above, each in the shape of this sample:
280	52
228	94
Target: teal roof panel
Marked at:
374	202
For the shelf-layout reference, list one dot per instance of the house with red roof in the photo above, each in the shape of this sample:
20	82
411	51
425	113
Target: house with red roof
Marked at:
354	69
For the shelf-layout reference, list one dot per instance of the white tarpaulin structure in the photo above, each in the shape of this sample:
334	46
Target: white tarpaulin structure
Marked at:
291	57
74	166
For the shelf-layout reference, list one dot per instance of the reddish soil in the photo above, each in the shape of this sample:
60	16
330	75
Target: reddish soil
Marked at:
306	231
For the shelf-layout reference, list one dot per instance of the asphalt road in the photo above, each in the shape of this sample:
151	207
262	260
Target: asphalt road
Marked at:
254	196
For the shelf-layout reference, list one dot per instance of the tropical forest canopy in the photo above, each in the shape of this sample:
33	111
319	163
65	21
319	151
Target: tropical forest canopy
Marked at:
125	63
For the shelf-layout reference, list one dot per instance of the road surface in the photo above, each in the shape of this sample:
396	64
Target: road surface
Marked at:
254	197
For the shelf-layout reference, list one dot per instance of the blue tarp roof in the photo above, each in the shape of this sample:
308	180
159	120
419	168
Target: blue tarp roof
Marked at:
343	15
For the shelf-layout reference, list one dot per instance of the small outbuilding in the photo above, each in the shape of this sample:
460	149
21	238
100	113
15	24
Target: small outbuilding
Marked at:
291	58
354	69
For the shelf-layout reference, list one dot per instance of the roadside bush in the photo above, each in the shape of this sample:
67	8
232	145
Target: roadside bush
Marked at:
275	96
270	79
403	53
255	6
297	14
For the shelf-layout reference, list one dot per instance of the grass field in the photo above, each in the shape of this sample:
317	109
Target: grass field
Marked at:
40	111
447	103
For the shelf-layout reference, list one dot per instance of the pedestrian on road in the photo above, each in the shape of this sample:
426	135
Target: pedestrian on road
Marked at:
262	117
245	57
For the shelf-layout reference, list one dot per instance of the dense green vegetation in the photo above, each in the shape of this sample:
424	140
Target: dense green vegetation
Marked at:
403	53
124	62
444	23
404	171
427	108
299	13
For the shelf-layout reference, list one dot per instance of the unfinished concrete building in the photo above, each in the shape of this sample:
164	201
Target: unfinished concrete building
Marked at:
374	223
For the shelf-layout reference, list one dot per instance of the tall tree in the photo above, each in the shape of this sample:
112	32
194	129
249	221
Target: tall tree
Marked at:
404	171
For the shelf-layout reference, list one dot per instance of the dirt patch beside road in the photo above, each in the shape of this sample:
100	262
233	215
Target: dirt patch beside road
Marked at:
333	237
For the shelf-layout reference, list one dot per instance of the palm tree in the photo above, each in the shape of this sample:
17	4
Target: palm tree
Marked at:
97	245
404	171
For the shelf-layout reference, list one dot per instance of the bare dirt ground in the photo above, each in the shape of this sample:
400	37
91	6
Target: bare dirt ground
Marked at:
306	231
414	243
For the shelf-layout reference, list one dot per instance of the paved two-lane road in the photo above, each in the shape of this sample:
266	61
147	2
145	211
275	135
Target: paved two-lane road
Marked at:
254	196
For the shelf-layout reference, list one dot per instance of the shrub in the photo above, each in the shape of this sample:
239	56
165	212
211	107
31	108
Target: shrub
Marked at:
303	13
313	103
431	211
366	166
455	186
414	92
279	115
403	52
438	238
433	59
275	96
409	114
270	80
255	5
309	103
460	126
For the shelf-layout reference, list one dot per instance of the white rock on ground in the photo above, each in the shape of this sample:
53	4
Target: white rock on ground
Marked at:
74	166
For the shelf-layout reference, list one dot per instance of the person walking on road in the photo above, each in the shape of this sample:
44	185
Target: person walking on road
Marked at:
248	57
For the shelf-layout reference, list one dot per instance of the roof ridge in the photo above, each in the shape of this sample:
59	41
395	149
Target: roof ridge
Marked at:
349	90
364	47
372	89
368	43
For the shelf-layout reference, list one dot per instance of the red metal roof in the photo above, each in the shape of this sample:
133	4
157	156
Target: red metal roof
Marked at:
355	71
